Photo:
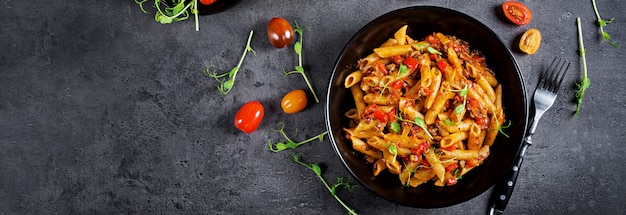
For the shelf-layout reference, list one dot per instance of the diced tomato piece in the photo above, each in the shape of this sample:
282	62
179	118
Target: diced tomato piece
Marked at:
433	56
392	115
451	181
427	91
450	148
411	62
452	167
381	68
480	121
420	148
397	84
473	103
397	59
431	39
443	65
380	115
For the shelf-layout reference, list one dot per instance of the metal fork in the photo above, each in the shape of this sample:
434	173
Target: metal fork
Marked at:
544	97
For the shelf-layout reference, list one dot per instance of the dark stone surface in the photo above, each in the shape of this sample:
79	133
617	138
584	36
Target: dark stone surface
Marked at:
105	111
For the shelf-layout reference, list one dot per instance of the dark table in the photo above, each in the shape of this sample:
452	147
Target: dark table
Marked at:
105	111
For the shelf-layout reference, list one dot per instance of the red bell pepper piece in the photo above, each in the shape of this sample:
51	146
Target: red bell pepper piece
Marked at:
443	65
411	62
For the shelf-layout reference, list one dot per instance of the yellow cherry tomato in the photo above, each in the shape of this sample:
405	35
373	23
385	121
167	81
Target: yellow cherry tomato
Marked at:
530	41
294	101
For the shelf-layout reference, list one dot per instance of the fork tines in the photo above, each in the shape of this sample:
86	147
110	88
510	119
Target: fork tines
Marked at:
553	76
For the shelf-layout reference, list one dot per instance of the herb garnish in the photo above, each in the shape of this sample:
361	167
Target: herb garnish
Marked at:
226	83
297	47
332	189
501	129
585	82
463	93
289	143
392	149
602	23
179	11
419	121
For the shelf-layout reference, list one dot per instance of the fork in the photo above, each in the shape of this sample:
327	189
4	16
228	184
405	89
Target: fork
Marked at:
543	98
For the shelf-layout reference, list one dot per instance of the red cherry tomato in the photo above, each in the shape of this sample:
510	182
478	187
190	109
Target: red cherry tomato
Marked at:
517	12
207	2
279	32
249	116
294	101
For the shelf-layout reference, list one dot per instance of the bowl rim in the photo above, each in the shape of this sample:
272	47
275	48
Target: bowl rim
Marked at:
374	21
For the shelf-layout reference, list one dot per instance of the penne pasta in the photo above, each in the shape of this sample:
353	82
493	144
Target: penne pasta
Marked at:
353	79
390	51
432	122
400	35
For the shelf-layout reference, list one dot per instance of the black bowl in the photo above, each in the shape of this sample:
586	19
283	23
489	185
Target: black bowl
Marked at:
218	6
422	21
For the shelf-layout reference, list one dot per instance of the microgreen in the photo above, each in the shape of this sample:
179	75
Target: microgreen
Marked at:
297	47
289	143
402	70
449	122
420	46
463	93
393	150
395	127
602	23
585	81
457	174
227	79
502	127
332	189
411	172
419	121
179	10
433	50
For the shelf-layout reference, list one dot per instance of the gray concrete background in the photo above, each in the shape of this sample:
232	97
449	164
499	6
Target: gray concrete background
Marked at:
105	111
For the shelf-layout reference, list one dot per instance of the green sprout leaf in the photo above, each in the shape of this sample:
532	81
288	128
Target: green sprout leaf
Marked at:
449	122
299	69
419	121
172	11
226	84
402	70
433	50
289	143
395	127
601	24
332	189
585	81
393	150
502	127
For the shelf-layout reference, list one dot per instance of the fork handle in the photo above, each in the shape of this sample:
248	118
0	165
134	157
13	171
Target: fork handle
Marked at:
504	188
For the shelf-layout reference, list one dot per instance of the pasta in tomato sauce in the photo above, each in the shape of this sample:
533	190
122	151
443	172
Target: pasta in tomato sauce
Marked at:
425	110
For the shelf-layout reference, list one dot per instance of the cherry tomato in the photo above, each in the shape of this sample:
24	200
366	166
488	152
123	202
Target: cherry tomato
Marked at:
207	2
249	116
530	41
517	12
279	32
443	65
294	101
